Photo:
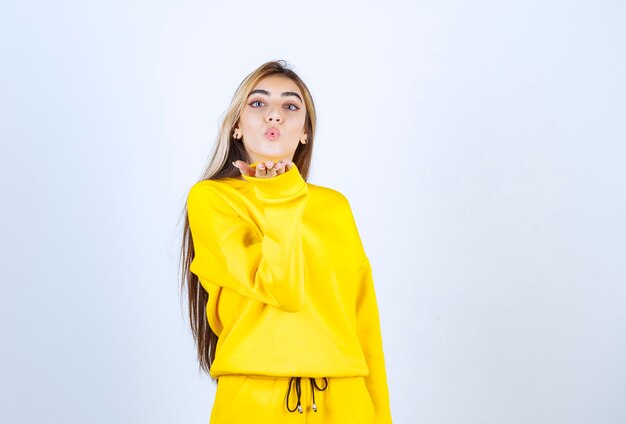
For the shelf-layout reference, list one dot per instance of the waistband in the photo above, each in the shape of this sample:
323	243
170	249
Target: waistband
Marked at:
299	392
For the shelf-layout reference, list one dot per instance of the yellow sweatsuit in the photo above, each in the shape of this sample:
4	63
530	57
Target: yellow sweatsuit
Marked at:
290	286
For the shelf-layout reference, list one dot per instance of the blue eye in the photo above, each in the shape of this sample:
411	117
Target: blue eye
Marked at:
256	103
292	107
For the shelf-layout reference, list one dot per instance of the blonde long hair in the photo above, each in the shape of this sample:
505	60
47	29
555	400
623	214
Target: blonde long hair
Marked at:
226	150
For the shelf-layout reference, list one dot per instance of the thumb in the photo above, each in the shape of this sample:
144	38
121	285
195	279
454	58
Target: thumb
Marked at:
243	167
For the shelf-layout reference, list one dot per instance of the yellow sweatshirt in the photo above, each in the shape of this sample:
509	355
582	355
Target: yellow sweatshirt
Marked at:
290	286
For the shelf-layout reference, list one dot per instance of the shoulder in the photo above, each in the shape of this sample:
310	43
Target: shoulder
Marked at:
328	197
223	186
327	193
331	208
214	193
201	189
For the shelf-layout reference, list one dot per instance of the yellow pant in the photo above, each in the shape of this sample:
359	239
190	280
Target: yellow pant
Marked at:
246	399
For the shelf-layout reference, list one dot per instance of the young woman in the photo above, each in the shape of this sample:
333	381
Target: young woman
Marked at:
281	297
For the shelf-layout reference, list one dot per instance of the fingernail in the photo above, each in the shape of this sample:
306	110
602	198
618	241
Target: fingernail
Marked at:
234	164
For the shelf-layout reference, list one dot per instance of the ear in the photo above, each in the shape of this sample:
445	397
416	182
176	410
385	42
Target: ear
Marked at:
237	133
303	138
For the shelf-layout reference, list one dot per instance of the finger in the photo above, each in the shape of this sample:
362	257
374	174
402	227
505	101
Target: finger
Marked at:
260	170
289	165
270	169
243	167
280	167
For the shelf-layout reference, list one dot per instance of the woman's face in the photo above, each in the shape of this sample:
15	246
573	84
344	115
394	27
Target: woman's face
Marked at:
272	120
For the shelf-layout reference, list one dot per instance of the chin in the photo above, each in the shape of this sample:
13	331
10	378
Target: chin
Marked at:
273	155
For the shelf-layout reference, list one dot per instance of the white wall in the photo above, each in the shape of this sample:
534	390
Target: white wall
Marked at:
481	146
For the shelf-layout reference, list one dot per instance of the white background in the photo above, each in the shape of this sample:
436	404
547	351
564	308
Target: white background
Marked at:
481	145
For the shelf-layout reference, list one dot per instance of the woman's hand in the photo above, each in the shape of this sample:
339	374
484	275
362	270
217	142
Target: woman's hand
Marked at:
266	169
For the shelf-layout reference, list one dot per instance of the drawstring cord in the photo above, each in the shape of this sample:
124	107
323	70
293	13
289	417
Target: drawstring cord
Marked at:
315	386
299	393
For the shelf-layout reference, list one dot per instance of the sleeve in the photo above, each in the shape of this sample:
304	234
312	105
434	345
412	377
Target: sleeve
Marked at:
369	333
264	264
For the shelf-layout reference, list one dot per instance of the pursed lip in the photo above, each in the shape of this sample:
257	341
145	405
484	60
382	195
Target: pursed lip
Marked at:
272	133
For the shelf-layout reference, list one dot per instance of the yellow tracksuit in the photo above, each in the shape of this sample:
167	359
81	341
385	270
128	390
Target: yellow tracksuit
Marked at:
292	300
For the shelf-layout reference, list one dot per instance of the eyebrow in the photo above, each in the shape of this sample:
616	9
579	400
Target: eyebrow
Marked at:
284	94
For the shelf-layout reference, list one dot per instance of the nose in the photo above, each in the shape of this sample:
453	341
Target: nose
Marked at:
274	116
